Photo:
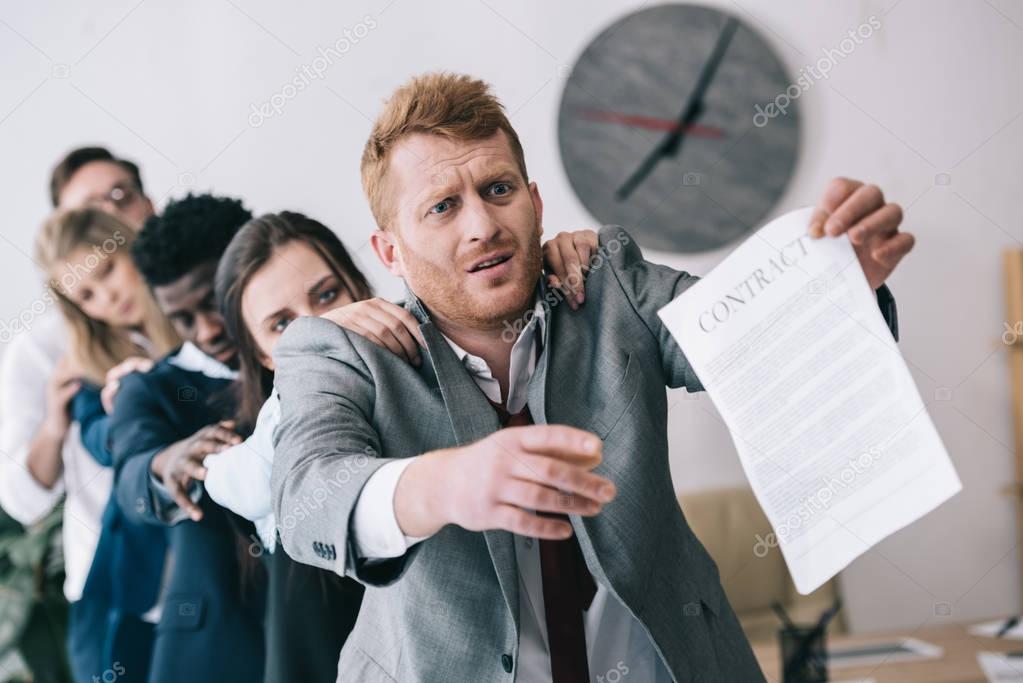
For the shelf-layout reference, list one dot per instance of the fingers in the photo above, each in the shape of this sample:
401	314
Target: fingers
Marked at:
194	469
381	335
564	477
518	521
553	258
861	203
585	243
882	224
532	496
352	326
67	392
211	439
221	433
396	334
384	324
835	193
203	447
891	251
407	320
558	441
567	257
556	266
577	260
126	367
178	491
108	394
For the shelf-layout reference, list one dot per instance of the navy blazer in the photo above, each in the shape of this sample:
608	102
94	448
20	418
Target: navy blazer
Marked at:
128	565
211	627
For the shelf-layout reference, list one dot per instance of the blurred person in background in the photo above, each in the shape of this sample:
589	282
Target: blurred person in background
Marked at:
45	457
164	422
113	323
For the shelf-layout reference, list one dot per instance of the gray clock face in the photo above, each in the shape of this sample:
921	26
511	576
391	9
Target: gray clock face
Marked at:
685	188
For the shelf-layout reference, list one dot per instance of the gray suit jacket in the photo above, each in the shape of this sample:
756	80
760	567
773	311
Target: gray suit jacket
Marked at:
448	609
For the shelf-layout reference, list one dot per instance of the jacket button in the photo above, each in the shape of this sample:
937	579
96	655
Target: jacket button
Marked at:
506	662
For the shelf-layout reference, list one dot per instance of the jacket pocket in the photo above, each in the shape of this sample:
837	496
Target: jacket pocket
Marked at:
618	398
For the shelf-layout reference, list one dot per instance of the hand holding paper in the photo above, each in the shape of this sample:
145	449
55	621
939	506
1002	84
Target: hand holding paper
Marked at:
852	208
786	336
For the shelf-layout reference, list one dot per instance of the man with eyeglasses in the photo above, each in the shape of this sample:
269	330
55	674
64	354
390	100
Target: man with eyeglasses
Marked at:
45	456
92	176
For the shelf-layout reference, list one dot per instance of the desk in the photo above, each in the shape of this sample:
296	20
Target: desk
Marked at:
958	665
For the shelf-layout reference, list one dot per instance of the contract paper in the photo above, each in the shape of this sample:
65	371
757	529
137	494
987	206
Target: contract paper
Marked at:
788	340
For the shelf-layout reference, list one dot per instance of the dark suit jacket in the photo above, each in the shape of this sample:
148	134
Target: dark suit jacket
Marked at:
211	628
128	565
127	568
310	613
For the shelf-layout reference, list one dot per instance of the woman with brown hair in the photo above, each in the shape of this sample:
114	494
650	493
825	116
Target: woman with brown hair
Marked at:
279	267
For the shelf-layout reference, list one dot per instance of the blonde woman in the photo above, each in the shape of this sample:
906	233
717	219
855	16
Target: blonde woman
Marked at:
113	326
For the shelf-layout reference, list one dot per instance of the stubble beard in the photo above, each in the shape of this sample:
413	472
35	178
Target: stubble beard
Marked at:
451	300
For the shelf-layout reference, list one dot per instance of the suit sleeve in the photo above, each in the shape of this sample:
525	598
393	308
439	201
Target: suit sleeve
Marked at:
139	429
87	411
325	450
886	302
649	287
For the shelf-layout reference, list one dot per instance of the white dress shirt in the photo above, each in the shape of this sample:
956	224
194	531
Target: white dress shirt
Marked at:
28	362
239	477
617	644
191	358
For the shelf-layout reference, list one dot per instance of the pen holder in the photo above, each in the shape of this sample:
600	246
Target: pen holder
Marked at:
804	657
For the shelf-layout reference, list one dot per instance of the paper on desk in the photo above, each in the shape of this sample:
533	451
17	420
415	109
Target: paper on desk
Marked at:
787	338
997	667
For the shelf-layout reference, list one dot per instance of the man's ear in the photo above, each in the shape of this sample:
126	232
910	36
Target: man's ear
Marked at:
386	246
534	195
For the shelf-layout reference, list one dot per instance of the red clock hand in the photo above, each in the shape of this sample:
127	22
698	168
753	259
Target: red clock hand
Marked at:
652	123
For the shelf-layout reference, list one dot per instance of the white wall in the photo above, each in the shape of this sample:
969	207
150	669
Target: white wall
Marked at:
934	91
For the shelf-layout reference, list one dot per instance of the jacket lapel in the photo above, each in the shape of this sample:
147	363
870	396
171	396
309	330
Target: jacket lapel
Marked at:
472	418
537	398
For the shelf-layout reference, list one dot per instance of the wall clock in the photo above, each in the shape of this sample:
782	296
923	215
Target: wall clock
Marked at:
657	133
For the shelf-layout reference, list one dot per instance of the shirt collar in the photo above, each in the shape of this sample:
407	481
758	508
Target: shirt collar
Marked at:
190	358
534	319
529	331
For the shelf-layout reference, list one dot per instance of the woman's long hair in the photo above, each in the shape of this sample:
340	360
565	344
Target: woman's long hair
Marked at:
95	345
251	249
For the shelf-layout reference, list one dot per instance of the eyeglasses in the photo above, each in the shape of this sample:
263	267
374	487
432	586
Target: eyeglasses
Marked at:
120	196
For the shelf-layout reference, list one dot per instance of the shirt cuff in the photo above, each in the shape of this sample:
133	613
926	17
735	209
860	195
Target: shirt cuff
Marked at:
376	534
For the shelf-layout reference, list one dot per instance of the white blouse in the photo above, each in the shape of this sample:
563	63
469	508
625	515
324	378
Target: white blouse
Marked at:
28	362
239	478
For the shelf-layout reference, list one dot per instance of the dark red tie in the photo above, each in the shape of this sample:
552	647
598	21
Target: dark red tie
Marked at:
568	591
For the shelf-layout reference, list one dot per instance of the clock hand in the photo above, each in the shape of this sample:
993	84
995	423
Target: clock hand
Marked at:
671	149
650	123
669	146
